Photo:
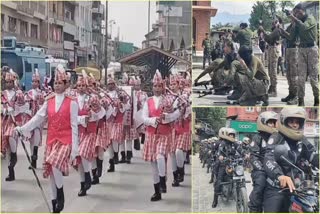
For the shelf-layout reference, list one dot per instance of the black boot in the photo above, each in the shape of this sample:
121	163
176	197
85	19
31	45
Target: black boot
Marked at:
215	200
116	158
175	179
287	98
54	202
82	191
87	180
129	156
34	158
301	102
60	200
293	101
316	101
123	157
143	137
157	195
11	176
136	144
211	179
111	168
95	178
265	100
163	185
180	174
99	167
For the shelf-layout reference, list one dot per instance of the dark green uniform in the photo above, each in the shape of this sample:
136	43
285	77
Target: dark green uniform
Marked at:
243	37
254	81
308	56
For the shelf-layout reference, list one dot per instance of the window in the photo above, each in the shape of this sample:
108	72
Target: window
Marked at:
24	29
2	22
54	9
194	3
12	22
27	66
34	31
249	109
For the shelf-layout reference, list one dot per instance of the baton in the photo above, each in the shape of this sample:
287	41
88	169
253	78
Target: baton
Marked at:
33	170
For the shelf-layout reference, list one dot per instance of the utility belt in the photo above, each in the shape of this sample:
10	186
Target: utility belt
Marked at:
273	183
307	45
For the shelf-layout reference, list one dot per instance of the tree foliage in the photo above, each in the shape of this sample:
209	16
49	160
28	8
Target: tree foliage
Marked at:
215	117
264	12
220	25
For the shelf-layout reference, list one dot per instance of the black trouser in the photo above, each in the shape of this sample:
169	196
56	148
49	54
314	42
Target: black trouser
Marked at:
256	196
275	202
221	173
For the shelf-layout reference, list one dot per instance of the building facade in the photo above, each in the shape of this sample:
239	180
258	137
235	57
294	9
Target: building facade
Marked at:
202	13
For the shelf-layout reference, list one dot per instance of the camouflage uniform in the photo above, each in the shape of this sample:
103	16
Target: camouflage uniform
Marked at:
308	57
215	70
273	55
206	43
254	81
292	64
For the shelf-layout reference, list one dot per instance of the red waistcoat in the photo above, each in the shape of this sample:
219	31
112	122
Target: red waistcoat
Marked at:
59	123
153	112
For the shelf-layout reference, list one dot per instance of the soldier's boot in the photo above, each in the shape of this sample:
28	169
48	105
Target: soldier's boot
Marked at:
157	195
116	158
95	178
99	167
175	179
60	199
34	158
236	94
123	157
316	101
215	200
301	102
265	100
129	156
54	202
287	98
87	180
293	101
111	167
12	163
82	191
163	185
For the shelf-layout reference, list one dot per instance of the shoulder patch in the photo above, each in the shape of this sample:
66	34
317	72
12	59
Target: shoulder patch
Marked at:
50	96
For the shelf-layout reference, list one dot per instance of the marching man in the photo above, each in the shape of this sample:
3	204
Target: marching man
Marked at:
158	114
61	112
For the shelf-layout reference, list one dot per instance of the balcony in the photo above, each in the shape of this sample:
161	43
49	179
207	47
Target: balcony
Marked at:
25	10
68	45
9	4
70	28
56	18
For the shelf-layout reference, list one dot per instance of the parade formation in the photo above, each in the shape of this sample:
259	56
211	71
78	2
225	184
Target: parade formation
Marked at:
88	120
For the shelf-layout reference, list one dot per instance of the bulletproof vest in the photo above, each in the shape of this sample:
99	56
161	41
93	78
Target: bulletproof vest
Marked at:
229	148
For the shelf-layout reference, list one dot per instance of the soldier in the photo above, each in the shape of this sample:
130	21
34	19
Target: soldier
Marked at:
266	125
292	63
243	36
206	45
308	53
158	114
62	141
273	40
280	174
8	100
249	73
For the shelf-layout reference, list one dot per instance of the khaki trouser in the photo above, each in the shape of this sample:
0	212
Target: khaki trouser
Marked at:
273	56
292	72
